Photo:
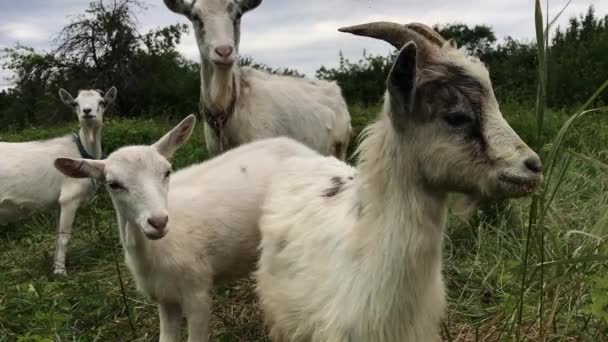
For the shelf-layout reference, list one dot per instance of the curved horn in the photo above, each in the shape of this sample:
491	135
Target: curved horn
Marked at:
395	34
427	32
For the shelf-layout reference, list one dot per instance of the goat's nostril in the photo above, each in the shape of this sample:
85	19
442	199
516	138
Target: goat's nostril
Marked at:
224	51
159	222
534	164
87	110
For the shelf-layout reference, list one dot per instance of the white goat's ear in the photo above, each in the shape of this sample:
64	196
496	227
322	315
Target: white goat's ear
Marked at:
80	168
176	137
110	95
66	97
401	83
248	5
179	6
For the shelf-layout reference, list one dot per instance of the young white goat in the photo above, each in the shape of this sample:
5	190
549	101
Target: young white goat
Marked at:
355	254
211	215
29	182
241	104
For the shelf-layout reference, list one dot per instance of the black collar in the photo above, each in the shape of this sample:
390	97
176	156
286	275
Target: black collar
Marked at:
83	152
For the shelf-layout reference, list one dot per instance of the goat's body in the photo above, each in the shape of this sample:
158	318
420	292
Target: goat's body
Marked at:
312	112
346	257
29	183
214	209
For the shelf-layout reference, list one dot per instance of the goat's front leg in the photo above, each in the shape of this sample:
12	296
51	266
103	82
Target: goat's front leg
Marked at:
198	312
69	205
170	322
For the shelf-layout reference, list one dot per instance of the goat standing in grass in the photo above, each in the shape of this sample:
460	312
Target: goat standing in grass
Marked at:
355	254
209	216
241	104
29	182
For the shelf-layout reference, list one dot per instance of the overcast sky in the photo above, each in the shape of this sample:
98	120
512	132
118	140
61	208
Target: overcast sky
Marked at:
290	33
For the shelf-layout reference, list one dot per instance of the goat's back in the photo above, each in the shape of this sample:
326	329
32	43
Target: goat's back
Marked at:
214	207
28	180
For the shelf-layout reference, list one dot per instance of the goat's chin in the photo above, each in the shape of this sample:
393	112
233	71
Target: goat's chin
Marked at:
153	234
514	187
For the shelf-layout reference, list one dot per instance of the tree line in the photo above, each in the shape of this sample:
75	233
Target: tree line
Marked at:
104	46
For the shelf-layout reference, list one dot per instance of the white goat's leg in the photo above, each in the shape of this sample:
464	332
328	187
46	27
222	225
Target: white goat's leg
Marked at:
198	312
69	202
170	322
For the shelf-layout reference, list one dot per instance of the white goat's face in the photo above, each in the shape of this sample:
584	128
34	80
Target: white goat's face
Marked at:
443	107
89	105
217	26
137	178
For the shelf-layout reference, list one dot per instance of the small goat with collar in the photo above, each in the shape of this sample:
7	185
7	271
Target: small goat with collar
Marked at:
29	182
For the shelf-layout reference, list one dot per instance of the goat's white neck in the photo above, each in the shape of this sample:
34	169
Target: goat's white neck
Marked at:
90	136
402	220
219	86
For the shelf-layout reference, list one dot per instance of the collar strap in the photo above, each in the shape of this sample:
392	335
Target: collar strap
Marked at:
83	152
217	119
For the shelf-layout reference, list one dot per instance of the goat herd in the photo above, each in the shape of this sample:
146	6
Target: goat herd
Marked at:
339	253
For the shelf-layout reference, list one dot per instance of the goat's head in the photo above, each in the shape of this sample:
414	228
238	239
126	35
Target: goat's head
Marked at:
443	109
89	105
217	26
137	178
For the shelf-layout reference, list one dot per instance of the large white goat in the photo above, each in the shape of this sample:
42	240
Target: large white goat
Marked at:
29	182
241	104
355	254
209	215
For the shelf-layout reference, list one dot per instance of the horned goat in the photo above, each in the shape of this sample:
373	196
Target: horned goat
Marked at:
209	216
30	183
354	254
241	104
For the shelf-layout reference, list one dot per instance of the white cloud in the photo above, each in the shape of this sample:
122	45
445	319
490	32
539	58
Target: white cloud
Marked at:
294	33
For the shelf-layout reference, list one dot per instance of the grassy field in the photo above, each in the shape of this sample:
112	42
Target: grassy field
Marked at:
484	257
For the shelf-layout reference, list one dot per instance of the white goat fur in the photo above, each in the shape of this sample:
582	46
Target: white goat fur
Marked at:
29	182
213	232
265	106
355	254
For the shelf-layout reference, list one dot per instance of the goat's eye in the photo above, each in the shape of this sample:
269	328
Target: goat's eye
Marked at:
168	174
74	104
457	119
116	186
102	102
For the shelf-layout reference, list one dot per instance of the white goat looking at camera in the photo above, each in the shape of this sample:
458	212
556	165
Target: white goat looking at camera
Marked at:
355	254
209	216
241	104
30	183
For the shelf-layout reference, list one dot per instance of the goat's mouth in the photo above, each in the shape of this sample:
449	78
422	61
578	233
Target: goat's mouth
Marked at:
224	63
88	117
517	186
154	234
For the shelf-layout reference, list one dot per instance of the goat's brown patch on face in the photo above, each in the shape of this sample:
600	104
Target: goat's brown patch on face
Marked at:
336	187
450	90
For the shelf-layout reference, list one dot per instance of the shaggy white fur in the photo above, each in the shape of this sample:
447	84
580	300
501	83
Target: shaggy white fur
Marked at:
354	254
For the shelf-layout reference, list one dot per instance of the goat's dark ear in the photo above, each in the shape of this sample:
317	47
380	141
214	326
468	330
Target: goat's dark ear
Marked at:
248	5
179	6
66	97
401	83
110	95
80	168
